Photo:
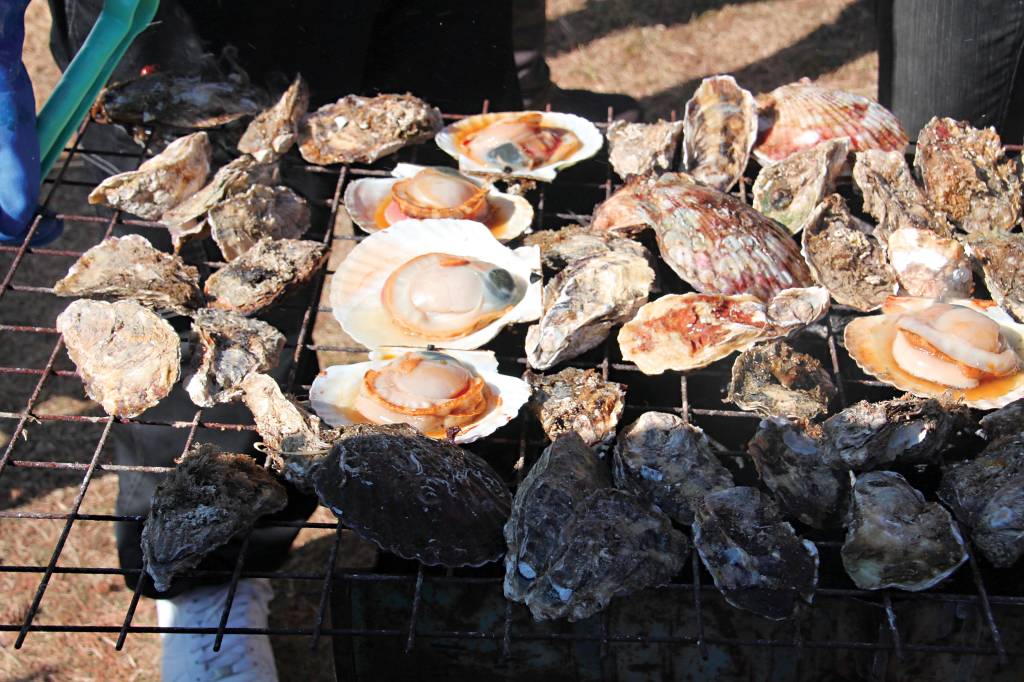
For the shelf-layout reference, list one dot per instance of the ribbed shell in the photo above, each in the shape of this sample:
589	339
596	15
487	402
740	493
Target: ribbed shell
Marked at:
719	129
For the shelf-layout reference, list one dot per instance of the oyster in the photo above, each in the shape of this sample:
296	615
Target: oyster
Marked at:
273	132
807	478
414	496
560	247
1002	259
892	195
434	192
642	148
527	144
720	128
363	129
211	498
896	539
241	220
755	557
1006	421
967	349
668	462
583	302
443	282
845	258
772	379
790	190
128	357
577	400
161	182
799	115
263	274
930	265
966	174
230	348
129	267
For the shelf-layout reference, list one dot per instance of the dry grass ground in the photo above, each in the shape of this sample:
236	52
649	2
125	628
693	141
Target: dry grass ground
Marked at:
659	51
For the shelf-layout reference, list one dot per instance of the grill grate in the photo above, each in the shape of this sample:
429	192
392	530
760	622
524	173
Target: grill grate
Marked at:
695	396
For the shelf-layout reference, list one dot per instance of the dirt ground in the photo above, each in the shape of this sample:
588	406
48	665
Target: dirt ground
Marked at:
661	49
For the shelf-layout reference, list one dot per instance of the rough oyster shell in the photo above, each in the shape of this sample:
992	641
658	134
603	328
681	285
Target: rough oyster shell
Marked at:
896	539
790	190
263	274
1002	259
756	559
966	174
642	148
161	182
273	132
577	400
444	505
773	379
892	195
129	267
1006	421
560	247
128	357
241	220
668	462
363	129
720	128
930	265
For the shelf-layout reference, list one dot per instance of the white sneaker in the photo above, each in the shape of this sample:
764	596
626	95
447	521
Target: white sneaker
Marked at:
191	658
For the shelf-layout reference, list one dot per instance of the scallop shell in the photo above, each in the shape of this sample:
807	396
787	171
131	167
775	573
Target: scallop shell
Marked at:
359	280
335	389
589	136
869	340
720	128
363	199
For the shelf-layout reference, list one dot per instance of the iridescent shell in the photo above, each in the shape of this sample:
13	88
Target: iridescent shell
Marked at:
790	190
720	128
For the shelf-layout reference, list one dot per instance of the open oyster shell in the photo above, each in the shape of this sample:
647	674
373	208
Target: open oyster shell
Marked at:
241	220
642	148
263	274
360	281
577	400
560	247
719	131
1002	260
930	265
773	379
892	195
790	190
273	132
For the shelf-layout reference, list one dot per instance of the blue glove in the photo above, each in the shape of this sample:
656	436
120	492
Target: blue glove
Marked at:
19	146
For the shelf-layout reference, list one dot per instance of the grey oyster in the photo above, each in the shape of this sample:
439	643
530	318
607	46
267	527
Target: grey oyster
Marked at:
719	132
273	132
1002	260
263	274
230	348
896	539
642	148
415	496
560	247
967	174
129	267
668	462
1006	421
892	195
806	476
577	400
128	357
789	190
583	302
930	265
160	183
773	379
211	497
241	220
755	557
363	129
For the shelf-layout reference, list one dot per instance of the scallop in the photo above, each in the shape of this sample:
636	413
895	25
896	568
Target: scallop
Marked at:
458	394
720	128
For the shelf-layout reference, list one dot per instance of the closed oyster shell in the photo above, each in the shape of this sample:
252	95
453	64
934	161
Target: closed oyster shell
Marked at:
773	379
1002	259
273	132
1006	421
642	148
896	539
559	248
756	559
668	462
720	128
930	265
790	190
129	267
892	195
577	400
263	274
414	496
241	220
161	182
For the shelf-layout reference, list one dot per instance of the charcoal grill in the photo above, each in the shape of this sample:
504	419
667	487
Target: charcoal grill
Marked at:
398	617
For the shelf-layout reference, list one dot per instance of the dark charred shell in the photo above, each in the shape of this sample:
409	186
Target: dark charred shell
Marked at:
210	498
896	539
668	462
772	379
239	221
577	400
892	195
1006	421
559	248
719	131
1001	257
414	496
642	148
804	474
755	557
789	190
274	131
263	274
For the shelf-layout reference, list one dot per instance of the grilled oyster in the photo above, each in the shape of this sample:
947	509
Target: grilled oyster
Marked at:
363	129
1002	259
1006	421
966	174
128	357
263	274
642	148
577	400
720	128
161	182
896	539
772	379
211	497
756	559
129	267
893	197
668	462
445	506
273	132
930	265
560	247
790	190
241	220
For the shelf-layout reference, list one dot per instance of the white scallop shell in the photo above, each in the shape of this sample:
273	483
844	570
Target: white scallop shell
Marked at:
358	281
338	386
362	197
590	139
